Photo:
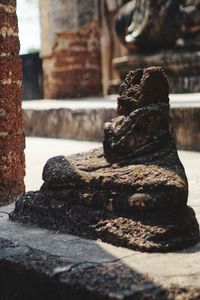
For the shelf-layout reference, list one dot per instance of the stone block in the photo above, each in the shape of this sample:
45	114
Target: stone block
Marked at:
187	127
71	49
87	123
74	70
81	124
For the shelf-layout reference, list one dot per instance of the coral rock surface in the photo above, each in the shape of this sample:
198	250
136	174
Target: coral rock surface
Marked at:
132	192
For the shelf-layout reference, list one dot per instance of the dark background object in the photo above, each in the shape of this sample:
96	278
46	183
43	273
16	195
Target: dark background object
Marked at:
32	76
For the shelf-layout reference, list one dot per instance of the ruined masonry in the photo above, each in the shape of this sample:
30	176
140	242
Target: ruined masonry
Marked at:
11	132
70	48
132	192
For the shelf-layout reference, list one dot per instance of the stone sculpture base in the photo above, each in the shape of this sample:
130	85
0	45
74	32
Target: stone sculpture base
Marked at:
182	68
132	192
133	219
145	232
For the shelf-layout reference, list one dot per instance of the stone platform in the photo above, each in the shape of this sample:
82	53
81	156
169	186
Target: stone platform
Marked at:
181	67
41	264
83	119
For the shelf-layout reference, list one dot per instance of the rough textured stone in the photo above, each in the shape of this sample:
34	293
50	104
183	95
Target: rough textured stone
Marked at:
144	124
61	279
11	133
71	54
182	266
134	191
182	269
145	232
26	272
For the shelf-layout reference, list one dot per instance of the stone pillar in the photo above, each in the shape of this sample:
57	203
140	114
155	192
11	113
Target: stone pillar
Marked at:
70	48
11	130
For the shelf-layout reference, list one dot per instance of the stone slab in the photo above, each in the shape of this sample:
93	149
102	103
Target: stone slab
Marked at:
181	67
105	271
84	119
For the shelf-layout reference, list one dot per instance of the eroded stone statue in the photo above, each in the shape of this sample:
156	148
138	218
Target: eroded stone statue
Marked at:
132	192
159	24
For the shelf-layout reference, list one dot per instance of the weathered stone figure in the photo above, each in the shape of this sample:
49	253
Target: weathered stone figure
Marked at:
12	144
159	24
161	33
132	192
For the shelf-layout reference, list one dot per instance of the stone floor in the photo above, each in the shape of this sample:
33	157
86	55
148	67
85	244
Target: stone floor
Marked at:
72	254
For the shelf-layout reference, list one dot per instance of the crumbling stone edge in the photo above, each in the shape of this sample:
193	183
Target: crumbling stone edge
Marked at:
27	273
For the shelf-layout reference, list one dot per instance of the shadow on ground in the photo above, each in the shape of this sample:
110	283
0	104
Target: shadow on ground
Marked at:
41	264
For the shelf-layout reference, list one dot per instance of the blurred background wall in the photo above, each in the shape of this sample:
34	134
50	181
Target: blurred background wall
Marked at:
85	48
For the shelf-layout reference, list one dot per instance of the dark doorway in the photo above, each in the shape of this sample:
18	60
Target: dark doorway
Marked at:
32	76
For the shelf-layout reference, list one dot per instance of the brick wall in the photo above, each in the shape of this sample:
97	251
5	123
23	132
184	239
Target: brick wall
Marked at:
70	48
74	68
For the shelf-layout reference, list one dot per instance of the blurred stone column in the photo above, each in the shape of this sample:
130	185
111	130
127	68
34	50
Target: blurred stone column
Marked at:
11	132
70	38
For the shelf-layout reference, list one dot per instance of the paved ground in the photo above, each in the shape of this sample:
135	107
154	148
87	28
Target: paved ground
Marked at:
180	267
104	102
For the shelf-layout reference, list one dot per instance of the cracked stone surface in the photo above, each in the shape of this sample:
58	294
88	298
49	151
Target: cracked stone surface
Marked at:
62	265
132	192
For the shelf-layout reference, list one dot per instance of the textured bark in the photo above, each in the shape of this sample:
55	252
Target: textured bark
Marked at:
11	132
